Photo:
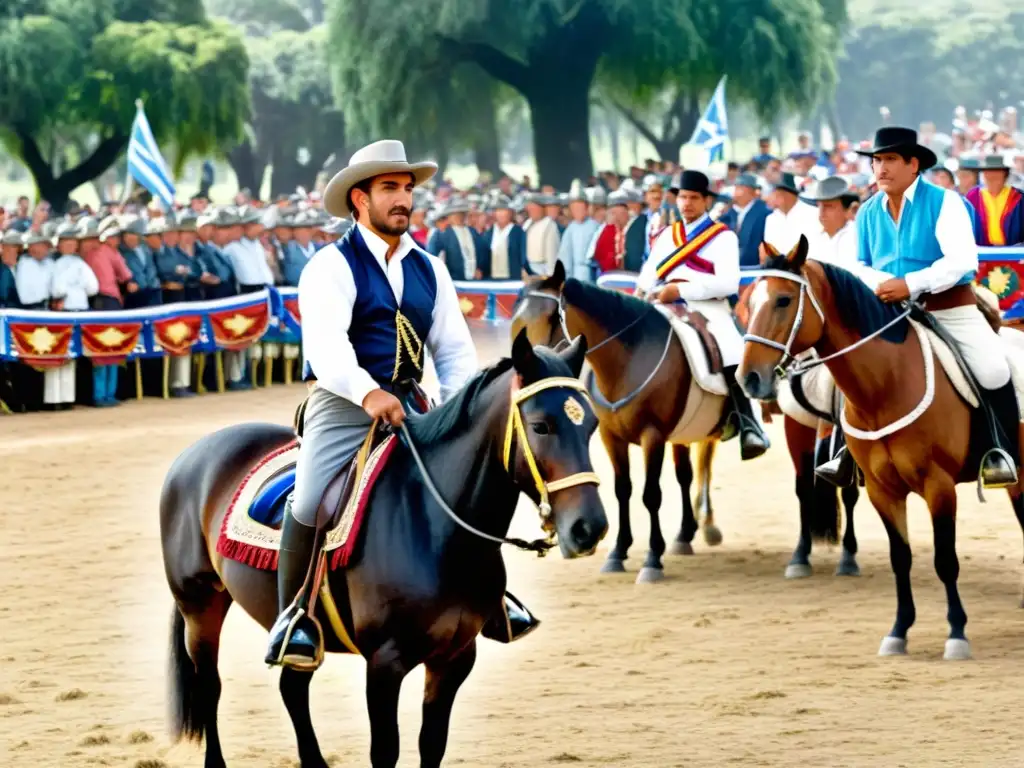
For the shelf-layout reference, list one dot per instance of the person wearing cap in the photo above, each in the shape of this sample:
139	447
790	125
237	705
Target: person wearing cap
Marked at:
554	210
246	252
636	230
542	237
791	216
607	249
999	206
10	249
106	263
359	298
654	194
573	249
505	254
835	242
942	176
211	227
597	198
456	244
34	274
968	175
697	260
751	213
417	227
179	274
916	239
764	152
143	290
299	248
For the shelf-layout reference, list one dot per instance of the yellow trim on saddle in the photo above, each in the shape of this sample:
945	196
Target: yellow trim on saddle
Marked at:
334	615
406	338
690	248
517	428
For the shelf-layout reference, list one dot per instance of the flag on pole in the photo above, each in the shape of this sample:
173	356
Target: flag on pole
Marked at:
145	163
712	129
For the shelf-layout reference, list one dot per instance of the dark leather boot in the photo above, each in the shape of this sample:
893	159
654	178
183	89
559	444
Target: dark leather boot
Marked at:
841	469
296	640
753	441
998	467
512	622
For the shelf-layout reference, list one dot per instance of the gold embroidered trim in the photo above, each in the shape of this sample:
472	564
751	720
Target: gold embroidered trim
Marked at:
406	338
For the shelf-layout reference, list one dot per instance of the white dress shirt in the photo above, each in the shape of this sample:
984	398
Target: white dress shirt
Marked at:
327	295
249	261
32	279
783	230
840	249
542	242
468	247
723	251
499	252
74	282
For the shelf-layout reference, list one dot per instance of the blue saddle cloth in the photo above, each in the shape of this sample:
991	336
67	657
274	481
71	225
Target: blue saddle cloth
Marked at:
268	506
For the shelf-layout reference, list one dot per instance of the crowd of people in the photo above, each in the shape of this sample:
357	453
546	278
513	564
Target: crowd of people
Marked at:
137	255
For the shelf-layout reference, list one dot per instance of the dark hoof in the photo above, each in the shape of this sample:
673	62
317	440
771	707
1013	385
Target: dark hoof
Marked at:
680	548
798	571
712	536
847	566
613	565
650	575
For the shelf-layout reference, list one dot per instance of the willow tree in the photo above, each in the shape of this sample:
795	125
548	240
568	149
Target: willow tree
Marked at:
551	51
71	71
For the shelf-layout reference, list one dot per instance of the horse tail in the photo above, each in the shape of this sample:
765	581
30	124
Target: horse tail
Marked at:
826	520
187	689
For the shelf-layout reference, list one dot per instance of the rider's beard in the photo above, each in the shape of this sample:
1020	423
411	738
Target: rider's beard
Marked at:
383	224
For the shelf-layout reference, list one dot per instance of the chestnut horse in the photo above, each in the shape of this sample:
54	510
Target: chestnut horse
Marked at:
817	499
427	577
879	364
641	372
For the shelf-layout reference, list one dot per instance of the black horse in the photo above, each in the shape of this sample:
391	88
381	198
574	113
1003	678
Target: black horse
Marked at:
427	578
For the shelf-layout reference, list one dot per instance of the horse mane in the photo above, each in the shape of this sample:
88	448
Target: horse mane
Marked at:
614	310
441	423
860	309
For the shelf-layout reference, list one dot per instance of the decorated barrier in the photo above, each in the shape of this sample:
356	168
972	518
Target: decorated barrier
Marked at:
44	339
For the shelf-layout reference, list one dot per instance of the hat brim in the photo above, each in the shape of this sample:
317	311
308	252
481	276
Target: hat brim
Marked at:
926	158
336	195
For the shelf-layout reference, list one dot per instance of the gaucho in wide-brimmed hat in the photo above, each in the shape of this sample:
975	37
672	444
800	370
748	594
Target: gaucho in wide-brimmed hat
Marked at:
1000	206
371	304
901	141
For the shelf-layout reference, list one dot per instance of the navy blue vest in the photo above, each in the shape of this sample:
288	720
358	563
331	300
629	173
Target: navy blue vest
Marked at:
374	331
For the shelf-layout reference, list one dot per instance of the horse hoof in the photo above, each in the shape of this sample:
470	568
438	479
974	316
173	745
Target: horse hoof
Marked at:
613	565
957	650
893	646
712	536
798	571
650	575
680	548
847	567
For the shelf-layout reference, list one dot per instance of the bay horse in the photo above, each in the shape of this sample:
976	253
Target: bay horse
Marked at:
426	579
881	366
643	378
817	499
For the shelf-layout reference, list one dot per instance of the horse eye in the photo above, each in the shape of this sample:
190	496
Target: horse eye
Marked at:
783	301
541	428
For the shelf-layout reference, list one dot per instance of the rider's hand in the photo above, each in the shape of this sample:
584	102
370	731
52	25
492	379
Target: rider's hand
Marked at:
669	293
379	403
892	290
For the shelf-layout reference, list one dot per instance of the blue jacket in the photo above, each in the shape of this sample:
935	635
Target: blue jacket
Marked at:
293	263
8	288
448	243
751	234
517	261
142	265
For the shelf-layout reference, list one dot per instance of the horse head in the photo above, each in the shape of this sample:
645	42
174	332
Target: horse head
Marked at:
547	442
785	319
539	310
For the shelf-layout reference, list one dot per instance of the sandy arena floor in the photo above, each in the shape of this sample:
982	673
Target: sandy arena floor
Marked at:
723	663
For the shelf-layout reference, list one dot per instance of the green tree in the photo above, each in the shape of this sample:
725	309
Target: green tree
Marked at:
71	70
551	51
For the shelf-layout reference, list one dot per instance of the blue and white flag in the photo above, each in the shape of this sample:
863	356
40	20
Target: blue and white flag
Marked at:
145	163
713	127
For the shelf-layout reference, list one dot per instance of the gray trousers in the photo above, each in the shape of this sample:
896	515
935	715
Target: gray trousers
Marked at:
333	431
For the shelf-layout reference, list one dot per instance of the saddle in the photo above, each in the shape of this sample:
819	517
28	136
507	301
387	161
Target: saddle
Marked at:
699	323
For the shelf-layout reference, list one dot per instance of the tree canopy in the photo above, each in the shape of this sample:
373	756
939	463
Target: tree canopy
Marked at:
553	51
71	70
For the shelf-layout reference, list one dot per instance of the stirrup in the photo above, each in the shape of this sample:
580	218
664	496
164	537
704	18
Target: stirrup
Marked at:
294	633
512	623
840	470
997	470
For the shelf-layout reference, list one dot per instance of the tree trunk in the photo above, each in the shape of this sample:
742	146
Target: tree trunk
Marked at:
561	132
486	144
832	116
57	190
248	168
612	121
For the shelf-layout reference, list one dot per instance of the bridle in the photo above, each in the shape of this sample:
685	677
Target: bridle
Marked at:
515	431
560	302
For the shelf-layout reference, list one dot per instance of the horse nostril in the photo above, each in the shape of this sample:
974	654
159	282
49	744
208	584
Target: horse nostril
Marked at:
582	534
752	383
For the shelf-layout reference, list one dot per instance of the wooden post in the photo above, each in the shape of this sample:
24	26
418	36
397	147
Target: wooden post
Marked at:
268	368
138	378
219	357
252	368
200	361
167	376
288	365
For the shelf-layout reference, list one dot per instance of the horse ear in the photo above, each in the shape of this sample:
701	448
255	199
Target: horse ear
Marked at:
767	252
795	258
557	279
523	358
575	354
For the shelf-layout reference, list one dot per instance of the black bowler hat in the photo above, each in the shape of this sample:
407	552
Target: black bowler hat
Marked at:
787	183
893	138
694	181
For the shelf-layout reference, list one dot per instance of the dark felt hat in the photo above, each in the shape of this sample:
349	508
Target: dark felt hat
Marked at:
694	181
893	138
788	183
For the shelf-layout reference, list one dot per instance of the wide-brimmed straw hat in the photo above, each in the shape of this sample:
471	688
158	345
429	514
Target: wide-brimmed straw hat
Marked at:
387	156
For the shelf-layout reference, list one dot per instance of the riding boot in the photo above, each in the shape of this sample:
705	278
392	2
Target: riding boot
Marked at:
998	467
296	640
753	440
512	622
841	469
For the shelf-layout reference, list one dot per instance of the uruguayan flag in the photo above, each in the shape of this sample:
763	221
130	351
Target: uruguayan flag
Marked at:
713	127
145	163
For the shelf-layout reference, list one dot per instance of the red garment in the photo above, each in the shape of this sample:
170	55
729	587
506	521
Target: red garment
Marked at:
610	248
420	236
110	270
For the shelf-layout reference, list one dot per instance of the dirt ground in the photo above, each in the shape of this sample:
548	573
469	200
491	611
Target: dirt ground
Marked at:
722	663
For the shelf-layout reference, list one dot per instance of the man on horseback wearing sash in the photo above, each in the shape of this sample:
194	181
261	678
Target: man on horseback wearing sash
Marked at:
920	237
370	303
697	260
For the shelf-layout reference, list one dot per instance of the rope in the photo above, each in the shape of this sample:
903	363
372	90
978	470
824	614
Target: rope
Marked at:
602	401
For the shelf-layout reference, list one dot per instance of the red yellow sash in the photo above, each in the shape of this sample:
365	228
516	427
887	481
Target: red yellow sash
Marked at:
688	251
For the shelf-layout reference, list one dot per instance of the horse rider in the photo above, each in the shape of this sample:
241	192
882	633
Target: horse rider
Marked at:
697	260
920	238
369	304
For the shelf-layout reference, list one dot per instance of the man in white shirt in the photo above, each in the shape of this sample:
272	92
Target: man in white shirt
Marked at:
542	237
366	301
835	241
791	218
697	260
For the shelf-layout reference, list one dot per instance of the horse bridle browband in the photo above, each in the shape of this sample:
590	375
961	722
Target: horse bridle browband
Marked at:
545	488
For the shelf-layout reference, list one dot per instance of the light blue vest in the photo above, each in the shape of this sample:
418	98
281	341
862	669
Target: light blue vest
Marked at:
910	247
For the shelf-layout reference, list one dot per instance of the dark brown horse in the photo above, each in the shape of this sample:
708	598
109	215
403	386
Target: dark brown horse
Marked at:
423	585
800	305
817	499
641	385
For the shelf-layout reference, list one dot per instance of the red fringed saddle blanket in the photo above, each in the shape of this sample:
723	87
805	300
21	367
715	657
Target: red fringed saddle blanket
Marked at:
255	542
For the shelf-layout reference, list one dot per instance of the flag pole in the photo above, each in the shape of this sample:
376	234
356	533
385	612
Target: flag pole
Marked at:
129	182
